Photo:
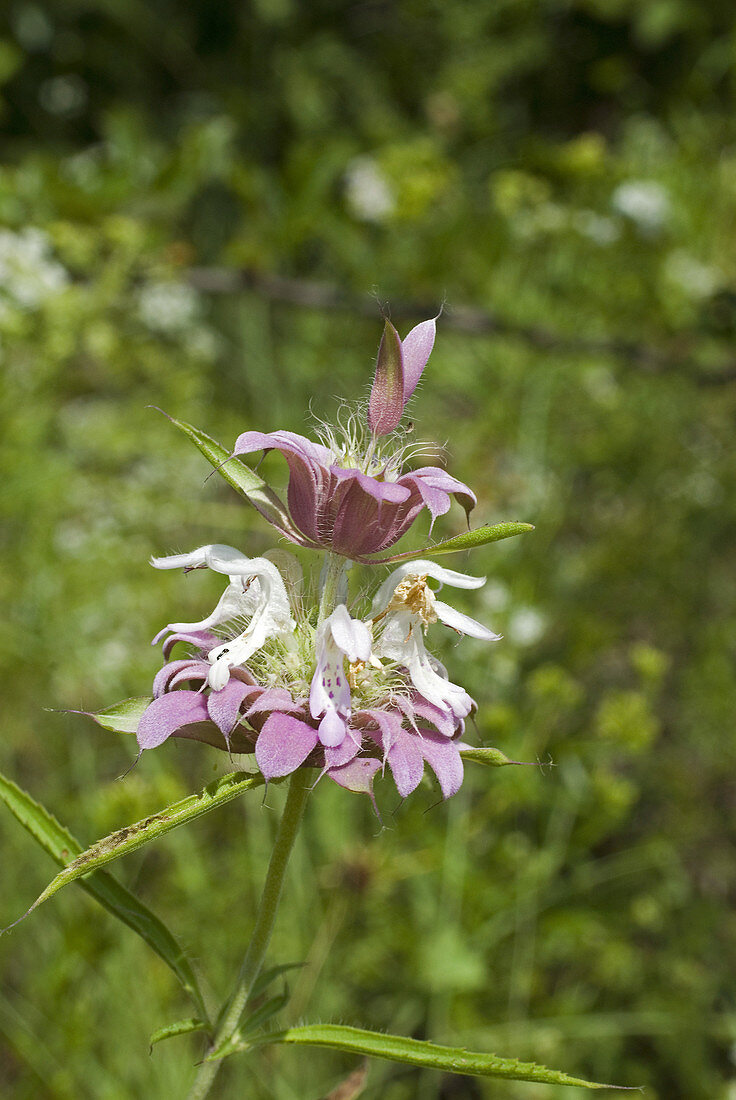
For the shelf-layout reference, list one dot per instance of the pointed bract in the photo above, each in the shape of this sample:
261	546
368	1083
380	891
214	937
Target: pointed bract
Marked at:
386	403
283	744
417	347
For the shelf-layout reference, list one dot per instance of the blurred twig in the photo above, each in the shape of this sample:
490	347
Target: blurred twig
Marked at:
306	294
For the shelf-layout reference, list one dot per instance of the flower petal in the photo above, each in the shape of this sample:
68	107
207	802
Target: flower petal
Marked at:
352	636
357	775
331	731
444	721
437	478
400	749
276	698
167	714
406	762
450	617
283	744
203	640
341	754
416	347
224	706
201	558
197	670
164	676
286	443
444	759
309	469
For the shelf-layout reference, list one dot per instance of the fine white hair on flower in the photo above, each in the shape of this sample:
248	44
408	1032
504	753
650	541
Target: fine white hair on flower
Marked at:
352	444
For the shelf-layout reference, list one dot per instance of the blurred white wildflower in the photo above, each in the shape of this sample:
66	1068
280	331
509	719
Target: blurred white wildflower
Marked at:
168	307
645	202
547	217
550	217
495	596
596	227
526	626
697	279
367	191
28	273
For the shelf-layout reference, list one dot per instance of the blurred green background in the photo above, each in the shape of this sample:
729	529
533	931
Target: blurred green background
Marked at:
175	180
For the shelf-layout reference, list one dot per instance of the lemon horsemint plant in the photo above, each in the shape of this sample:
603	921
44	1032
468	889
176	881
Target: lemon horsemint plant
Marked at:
310	680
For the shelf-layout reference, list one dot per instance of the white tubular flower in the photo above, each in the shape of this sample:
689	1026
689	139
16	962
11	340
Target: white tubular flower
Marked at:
407	605
256	589
339	636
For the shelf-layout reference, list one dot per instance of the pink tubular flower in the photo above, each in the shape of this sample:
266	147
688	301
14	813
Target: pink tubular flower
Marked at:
352	497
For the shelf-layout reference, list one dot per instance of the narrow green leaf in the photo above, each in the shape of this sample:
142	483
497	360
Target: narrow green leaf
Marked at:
415	1052
181	1027
63	848
467	541
244	480
494	757
262	1015
266	977
121	717
150	828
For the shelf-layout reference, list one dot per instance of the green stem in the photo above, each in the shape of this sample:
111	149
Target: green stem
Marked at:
336	564
252	963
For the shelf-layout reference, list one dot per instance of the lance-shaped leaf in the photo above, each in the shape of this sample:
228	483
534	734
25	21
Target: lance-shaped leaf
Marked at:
242	478
266	977
416	1052
386	403
180	1027
63	848
467	541
490	757
122	717
150	828
254	1023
